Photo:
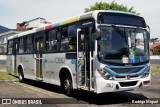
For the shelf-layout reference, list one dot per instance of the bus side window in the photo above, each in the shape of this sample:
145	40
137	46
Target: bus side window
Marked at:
21	45
51	41
68	38
29	44
10	47
72	34
64	39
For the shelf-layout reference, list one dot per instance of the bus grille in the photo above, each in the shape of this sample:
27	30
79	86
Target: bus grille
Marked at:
126	70
127	84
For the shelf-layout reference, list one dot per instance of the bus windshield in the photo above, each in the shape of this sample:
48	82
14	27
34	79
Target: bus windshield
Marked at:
130	48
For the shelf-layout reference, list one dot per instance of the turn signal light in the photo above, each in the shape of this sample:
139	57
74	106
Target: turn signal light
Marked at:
100	69
146	82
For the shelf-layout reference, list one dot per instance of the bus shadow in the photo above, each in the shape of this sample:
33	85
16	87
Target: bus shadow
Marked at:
45	86
85	97
107	98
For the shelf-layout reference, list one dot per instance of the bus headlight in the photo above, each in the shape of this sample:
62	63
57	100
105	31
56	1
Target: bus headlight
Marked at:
105	74
146	74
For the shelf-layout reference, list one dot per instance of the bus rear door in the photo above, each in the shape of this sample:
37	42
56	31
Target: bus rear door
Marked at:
11	57
38	55
15	45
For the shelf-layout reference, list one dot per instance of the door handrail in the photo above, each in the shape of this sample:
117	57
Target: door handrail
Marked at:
80	61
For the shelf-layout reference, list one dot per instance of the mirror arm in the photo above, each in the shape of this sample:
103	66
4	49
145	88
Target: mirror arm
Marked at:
98	31
149	30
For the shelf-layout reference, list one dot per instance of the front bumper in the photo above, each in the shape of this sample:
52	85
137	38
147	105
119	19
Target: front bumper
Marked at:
103	85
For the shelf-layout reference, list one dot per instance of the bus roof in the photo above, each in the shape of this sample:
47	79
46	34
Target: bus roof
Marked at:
116	11
92	14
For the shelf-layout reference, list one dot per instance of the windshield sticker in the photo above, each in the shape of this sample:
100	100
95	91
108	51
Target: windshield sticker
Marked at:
125	59
141	58
131	51
131	58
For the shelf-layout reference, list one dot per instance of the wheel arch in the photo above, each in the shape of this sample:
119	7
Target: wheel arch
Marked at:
63	70
20	66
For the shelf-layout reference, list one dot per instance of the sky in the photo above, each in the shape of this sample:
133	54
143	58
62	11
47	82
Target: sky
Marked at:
17	11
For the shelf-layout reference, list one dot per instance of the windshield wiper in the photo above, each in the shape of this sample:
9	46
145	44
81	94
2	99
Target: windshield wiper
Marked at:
120	32
137	29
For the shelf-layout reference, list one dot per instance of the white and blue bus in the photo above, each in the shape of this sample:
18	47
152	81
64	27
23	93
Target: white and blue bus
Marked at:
100	51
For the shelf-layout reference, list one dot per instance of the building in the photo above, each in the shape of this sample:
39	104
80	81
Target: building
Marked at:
21	27
34	23
155	48
3	40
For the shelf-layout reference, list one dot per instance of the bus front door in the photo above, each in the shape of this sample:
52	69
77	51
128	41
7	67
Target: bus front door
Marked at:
39	49
84	60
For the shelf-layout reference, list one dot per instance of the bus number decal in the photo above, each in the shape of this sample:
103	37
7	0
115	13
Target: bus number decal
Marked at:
109	85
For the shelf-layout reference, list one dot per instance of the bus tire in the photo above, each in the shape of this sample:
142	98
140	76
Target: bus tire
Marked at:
66	84
20	75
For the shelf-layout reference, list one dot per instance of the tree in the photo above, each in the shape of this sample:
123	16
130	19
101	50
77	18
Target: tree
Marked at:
153	40
110	6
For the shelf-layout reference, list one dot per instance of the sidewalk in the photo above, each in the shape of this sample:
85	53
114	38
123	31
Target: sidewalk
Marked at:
3	68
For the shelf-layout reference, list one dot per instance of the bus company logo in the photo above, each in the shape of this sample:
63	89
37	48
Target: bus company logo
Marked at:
128	76
59	60
6	101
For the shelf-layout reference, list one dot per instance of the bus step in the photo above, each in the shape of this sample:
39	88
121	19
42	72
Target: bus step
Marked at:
91	89
39	79
84	88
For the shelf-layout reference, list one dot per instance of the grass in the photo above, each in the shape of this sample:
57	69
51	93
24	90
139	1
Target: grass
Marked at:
155	69
6	76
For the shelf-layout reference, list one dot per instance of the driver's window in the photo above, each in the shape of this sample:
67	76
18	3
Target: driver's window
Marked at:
106	37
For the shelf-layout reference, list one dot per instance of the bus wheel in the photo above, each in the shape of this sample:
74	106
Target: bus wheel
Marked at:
67	85
21	76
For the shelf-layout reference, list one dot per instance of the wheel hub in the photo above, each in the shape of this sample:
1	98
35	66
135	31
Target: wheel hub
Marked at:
66	84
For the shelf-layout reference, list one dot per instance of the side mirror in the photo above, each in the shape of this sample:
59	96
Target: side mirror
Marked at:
81	35
98	33
148	28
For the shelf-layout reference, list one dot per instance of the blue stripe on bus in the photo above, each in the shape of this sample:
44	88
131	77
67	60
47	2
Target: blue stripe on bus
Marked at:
124	74
74	61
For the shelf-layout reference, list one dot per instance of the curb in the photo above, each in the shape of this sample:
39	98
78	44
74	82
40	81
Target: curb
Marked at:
15	80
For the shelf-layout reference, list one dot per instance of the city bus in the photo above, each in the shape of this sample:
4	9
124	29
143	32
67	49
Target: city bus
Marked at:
99	51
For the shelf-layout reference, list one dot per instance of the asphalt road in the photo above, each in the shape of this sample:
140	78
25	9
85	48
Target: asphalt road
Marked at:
34	89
